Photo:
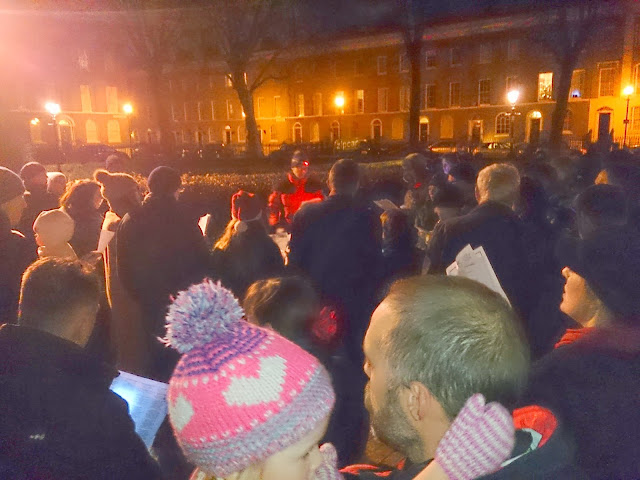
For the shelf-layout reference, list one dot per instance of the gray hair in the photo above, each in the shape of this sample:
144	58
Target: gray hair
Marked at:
499	182
457	338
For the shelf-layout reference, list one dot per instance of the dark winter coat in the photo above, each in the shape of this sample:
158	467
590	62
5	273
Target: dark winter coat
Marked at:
59	420
250	256
86	231
16	254
498	229
337	243
285	201
593	384
37	201
542	452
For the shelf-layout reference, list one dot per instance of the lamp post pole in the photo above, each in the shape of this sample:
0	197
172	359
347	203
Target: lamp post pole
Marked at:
627	92
512	97
54	110
127	108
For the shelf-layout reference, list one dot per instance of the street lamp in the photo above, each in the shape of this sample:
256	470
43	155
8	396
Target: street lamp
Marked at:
628	91
127	108
339	102
512	97
54	109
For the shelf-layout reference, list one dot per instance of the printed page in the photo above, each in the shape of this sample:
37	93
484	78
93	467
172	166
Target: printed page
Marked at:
386	204
204	222
105	237
147	400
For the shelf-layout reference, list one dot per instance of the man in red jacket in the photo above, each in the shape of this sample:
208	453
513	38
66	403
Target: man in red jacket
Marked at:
298	187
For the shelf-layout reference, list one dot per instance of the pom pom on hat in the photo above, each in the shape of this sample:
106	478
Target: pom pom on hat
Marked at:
200	314
115	185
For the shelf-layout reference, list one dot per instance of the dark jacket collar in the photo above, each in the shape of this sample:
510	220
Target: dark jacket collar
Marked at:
27	351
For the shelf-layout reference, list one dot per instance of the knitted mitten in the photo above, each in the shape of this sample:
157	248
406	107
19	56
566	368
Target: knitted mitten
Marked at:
328	470
478	441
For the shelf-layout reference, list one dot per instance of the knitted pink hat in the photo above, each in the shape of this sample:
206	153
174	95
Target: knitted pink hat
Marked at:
240	393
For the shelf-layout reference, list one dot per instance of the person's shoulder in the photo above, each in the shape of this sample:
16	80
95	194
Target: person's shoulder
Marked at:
284	185
313	185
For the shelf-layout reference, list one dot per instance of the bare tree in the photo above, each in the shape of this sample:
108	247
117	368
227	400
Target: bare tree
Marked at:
249	36
152	29
567	30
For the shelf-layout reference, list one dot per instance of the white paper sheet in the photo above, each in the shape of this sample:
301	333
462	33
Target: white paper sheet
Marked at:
386	204
204	222
474	264
105	237
147	400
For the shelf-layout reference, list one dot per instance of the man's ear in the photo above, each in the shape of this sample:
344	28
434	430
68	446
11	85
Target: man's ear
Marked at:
418	401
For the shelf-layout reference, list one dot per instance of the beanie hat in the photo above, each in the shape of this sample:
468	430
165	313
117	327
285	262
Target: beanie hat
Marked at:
54	227
240	393
31	169
10	185
609	261
607	204
115	185
245	206
56	180
299	159
164	181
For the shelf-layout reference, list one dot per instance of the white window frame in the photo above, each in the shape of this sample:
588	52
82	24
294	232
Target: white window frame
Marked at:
382	65
199	111
405	98
403	63
229	109
541	97
451	50
383	93
499	117
213	112
317	104
300	105
600	71
581	72
426	95
480	92
359	101
297	126
451	104
260	107
375	121
430	54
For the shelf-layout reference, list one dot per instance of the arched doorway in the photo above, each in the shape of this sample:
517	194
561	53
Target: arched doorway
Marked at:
424	130
226	135
476	130
335	131
533	127
376	129
66	131
297	133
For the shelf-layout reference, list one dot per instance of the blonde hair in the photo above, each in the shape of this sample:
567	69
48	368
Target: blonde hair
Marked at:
499	182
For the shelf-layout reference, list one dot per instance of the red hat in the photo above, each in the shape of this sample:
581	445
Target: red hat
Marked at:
245	206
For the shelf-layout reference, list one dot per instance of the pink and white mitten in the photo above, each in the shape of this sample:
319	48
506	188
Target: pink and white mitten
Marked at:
480	438
328	470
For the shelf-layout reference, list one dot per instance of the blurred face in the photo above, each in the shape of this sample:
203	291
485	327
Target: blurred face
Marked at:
578	301
388	419
97	199
299	461
13	209
301	171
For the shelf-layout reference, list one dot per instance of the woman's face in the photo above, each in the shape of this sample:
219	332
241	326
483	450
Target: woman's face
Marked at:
299	461
577	299
97	199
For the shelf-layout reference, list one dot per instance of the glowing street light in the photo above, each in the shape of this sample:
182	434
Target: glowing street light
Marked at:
512	97
54	109
127	108
339	102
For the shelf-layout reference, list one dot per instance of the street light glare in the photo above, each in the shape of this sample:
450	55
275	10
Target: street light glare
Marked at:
513	96
339	101
127	108
52	107
628	90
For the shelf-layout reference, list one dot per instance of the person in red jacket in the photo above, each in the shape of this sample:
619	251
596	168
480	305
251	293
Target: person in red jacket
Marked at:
298	187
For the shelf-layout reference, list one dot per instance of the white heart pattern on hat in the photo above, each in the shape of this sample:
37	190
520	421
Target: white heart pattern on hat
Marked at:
180	412
267	387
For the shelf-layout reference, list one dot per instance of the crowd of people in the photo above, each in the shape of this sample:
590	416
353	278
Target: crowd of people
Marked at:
263	348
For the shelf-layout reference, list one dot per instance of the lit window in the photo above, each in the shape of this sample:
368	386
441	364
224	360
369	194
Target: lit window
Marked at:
430	96
456	58
503	124
382	65
635	119
577	84
383	99
405	98
607	82
300	105
454	94
484	92
545	86
317	104
359	101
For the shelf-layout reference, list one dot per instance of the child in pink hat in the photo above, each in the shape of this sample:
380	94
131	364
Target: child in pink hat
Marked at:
245	403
